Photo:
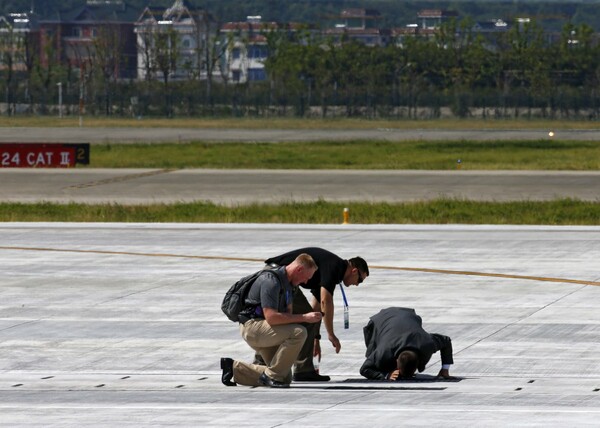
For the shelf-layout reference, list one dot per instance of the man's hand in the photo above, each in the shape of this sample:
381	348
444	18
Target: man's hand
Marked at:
317	349
335	342
394	375
312	317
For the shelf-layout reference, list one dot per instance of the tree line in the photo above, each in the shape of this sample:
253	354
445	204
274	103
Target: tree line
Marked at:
515	73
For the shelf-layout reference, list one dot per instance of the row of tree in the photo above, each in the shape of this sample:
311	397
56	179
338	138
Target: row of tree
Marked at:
457	68
519	72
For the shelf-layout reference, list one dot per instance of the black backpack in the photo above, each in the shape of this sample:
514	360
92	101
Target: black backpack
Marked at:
234	301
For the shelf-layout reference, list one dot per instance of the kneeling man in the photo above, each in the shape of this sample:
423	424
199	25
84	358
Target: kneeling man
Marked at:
268	325
398	346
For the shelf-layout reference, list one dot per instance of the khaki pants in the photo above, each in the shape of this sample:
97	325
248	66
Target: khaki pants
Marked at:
304	362
279	347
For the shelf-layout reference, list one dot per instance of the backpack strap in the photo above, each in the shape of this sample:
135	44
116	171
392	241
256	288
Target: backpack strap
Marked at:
250	310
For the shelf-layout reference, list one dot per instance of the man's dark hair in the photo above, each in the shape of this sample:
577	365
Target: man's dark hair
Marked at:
407	364
360	264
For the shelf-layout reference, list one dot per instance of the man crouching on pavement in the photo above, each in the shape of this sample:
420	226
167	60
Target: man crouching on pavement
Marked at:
398	346
268	325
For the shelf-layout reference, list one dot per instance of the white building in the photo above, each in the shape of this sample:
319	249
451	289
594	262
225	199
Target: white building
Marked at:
245	48
188	33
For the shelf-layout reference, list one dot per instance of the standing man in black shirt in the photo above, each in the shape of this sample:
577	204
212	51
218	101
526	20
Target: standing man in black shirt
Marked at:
332	270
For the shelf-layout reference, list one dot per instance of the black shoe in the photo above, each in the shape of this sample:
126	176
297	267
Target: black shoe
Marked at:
267	381
310	377
227	367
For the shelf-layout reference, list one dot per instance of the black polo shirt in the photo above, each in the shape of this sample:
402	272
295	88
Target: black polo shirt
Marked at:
330	273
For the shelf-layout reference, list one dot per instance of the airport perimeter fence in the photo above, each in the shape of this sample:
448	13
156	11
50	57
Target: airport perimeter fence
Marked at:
262	99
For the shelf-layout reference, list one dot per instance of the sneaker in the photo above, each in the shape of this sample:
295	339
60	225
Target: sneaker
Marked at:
267	381
227	375
310	377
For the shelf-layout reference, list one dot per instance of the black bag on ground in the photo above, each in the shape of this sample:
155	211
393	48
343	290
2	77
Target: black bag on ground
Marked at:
234	301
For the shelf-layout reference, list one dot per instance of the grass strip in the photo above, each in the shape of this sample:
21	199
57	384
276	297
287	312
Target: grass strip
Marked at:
441	211
382	155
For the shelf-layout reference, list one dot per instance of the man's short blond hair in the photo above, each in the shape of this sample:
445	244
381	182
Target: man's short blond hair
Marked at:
306	261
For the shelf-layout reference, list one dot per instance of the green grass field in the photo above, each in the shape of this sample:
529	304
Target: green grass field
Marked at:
489	155
443	211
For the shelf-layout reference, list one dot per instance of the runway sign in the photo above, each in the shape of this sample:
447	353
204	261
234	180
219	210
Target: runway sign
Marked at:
43	155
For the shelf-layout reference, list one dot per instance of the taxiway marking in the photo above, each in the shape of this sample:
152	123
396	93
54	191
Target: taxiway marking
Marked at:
246	259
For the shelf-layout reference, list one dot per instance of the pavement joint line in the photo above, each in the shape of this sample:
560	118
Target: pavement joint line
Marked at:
363	391
518	321
21	324
247	259
120	179
354	409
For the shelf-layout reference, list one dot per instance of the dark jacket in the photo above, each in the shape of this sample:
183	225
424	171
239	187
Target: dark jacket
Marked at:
394	330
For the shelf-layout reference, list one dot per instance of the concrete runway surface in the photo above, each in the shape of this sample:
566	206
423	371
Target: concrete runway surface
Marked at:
238	187
120	325
154	135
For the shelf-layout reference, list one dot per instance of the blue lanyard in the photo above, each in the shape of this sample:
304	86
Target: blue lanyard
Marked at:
343	294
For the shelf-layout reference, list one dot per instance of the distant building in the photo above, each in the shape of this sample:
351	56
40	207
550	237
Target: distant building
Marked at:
400	35
245	47
189	32
430	21
19	40
433	18
360	25
95	31
490	30
491	26
360	18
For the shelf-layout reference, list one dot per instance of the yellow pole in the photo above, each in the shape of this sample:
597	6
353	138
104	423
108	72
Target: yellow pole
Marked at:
346	216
